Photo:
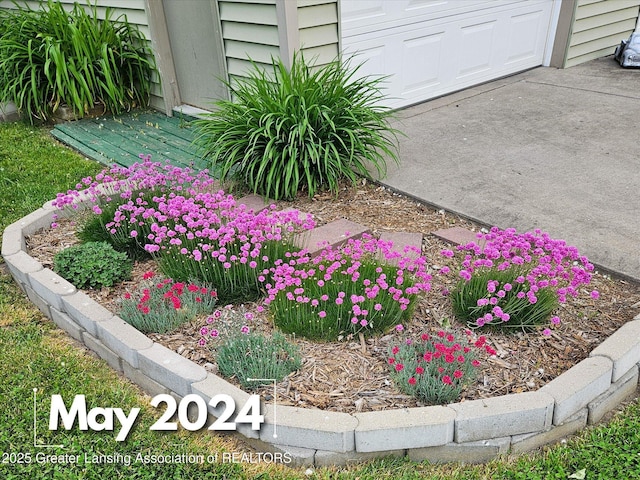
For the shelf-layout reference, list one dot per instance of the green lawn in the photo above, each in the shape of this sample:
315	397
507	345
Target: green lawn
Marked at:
34	353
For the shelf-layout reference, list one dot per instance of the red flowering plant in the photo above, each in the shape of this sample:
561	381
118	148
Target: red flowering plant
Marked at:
160	306
436	368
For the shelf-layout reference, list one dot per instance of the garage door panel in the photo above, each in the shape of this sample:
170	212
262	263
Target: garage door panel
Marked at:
360	16
444	54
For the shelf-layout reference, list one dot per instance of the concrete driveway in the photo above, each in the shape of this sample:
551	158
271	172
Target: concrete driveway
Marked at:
551	149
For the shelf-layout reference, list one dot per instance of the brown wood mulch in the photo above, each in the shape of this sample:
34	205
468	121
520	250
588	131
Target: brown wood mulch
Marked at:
352	375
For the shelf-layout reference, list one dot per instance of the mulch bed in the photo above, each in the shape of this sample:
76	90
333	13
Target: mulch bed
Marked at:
352	375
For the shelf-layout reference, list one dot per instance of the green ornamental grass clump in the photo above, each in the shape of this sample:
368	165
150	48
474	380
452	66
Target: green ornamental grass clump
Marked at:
92	265
253	357
299	128
51	57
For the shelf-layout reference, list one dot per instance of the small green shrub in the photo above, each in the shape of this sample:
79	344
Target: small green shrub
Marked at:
93	265
50	57
163	305
488	295
255	356
303	127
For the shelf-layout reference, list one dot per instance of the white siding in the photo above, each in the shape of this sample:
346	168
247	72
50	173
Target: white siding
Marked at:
598	27
318	30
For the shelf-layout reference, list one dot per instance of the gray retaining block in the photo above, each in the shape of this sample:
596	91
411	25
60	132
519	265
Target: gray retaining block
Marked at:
295	456
67	324
21	265
170	369
123	339
617	393
623	348
309	428
501	416
41	218
13	240
531	441
325	458
214	385
51	287
102	351
404	428
85	311
468	452
402	241
581	384
148	385
38	301
253	202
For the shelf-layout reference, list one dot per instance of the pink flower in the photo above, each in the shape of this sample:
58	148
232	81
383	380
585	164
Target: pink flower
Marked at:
244	330
546	332
595	294
399	367
412	381
322	314
399	327
134	233
447	380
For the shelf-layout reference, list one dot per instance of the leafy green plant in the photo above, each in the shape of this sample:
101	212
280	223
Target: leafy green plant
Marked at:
50	57
163	305
255	356
304	127
93	265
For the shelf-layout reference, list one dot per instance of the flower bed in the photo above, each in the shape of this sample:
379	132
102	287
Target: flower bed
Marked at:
331	385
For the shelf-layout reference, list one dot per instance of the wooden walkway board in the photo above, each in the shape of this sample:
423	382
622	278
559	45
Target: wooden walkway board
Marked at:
123	138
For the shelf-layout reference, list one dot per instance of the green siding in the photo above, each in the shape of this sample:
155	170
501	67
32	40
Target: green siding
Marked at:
598	27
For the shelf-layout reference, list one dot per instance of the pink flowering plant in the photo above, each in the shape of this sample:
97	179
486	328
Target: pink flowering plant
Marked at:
436	368
363	286
224	323
162	305
194	230
516	281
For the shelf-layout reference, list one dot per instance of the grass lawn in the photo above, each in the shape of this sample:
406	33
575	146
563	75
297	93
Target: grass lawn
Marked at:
34	353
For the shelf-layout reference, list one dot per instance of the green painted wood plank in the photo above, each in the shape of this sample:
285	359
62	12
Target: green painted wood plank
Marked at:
102	131
82	148
87	143
158	133
173	125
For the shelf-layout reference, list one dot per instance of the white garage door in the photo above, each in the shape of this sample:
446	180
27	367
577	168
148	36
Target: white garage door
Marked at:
434	47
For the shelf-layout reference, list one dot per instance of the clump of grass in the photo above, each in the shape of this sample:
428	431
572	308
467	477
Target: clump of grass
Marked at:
249	356
299	128
50	57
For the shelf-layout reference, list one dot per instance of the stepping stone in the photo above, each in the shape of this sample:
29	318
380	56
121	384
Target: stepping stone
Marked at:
459	236
253	202
334	234
400	241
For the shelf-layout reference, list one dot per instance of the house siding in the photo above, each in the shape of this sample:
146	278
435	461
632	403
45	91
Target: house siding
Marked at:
598	27
253	29
135	12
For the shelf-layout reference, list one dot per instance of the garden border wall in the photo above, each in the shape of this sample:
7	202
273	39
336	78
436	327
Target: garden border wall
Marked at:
472	431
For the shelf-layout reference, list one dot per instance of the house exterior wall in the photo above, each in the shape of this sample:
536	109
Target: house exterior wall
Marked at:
266	29
135	12
597	28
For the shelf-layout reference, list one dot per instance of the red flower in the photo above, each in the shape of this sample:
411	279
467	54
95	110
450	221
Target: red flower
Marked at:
412	381
395	350
458	374
449	358
127	295
476	363
450	338
461	358
148	275
399	367
198	300
419	370
447	380
391	361
193	288
424	337
176	302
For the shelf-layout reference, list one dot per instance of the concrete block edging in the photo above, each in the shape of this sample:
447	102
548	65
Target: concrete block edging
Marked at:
474	431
